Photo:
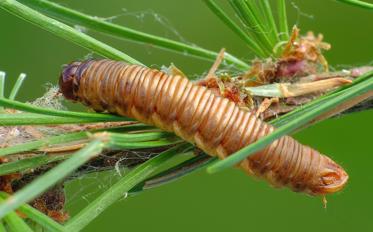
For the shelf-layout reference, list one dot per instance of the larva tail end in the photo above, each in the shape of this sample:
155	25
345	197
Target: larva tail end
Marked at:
67	79
332	179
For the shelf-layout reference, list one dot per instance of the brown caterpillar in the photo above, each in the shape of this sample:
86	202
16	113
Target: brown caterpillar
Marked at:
214	124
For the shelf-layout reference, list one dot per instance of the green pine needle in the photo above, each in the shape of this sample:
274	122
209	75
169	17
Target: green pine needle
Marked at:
64	31
16	223
174	173
53	140
133	140
17	86
2	226
23	165
252	44
249	15
358	3
2	86
96	24
269	18
282	19
2	83
61	113
19	119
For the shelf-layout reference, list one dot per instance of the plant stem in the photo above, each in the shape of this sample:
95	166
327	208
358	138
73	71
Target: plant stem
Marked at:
28	163
141	137
268	14
19	119
2	83
15	223
263	25
2	86
358	3
16	86
2	226
97	24
129	141
283	21
174	173
139	141
28	146
236	29
64	31
300	110
249	17
62	113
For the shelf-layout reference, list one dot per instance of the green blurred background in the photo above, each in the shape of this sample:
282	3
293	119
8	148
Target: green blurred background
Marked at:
227	201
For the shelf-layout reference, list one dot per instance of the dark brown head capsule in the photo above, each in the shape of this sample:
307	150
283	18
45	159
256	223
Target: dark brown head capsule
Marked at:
69	80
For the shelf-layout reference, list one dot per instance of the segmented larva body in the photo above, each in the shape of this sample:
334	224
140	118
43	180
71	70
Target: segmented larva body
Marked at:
213	123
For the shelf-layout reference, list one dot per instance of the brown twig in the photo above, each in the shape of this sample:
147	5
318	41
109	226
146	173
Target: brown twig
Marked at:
216	64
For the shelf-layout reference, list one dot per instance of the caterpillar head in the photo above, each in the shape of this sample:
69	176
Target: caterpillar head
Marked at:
69	80
332	178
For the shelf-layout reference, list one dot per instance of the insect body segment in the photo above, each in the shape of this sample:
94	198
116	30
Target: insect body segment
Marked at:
215	124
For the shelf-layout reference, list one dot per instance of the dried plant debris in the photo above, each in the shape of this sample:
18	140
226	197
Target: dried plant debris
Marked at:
7	180
52	99
52	202
276	86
